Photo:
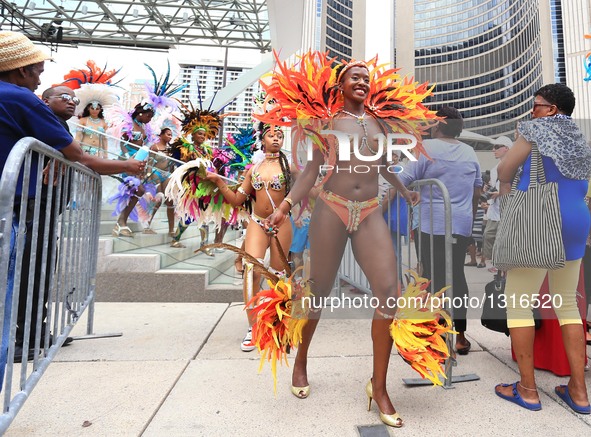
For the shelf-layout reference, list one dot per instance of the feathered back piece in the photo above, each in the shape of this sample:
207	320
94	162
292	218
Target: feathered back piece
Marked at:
235	154
303	92
397	101
92	75
160	92
200	119
95	94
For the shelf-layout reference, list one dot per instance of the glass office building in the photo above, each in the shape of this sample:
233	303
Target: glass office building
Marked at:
339	28
558	41
485	57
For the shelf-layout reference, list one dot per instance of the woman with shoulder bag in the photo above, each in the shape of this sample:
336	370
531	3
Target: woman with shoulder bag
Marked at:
554	140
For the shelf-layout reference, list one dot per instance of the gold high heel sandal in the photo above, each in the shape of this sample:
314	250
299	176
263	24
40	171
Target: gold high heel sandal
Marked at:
389	419
300	392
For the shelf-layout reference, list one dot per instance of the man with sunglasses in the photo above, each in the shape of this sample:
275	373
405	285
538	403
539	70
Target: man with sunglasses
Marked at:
501	146
62	102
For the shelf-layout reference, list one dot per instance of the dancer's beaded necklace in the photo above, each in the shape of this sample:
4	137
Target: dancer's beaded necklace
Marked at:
361	122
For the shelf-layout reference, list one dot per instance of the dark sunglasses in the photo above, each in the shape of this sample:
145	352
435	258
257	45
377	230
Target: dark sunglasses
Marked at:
66	98
498	146
542	104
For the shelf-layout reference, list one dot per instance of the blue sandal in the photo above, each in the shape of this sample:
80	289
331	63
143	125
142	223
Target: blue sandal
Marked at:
517	399
569	401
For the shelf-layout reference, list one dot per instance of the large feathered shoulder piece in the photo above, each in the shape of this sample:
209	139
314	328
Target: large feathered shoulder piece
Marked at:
398	102
307	92
303	91
235	154
92	74
160	92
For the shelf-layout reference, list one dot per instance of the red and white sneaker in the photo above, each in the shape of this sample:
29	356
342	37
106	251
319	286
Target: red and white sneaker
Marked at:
247	345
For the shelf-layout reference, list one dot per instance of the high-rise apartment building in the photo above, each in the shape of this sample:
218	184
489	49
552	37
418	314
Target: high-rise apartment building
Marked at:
205	80
339	28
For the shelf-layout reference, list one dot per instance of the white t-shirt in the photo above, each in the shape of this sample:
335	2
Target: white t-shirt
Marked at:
494	211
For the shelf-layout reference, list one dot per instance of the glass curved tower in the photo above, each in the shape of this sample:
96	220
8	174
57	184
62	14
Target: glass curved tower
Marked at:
485	57
339	28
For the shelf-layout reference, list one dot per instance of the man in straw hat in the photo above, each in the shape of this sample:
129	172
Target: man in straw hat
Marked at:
23	114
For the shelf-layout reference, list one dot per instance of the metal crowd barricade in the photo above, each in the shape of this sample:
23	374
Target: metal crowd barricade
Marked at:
54	236
350	272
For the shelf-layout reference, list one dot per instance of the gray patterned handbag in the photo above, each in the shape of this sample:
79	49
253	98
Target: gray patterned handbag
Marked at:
530	230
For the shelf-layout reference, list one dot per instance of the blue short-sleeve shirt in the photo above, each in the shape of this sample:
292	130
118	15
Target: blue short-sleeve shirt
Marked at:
457	167
23	114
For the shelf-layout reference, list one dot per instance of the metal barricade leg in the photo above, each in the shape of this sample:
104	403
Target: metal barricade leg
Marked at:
427	242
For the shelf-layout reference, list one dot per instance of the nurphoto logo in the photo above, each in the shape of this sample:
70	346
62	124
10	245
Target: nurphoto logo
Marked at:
393	144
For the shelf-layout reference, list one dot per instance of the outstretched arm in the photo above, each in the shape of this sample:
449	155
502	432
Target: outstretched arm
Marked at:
412	197
234	198
102	166
301	189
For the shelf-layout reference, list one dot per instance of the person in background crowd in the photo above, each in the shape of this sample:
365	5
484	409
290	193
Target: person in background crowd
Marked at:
270	179
62	102
501	146
92	125
455	164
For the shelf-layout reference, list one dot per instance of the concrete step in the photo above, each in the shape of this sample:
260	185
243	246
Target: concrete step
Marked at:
144	241
138	272
108	221
146	269
169	256
161	287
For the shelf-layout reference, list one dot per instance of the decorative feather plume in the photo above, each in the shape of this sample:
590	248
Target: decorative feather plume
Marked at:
205	119
279	310
418	327
160	92
307	94
125	191
92	75
236	152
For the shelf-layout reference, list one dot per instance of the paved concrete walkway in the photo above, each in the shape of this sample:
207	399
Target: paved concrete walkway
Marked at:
178	371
